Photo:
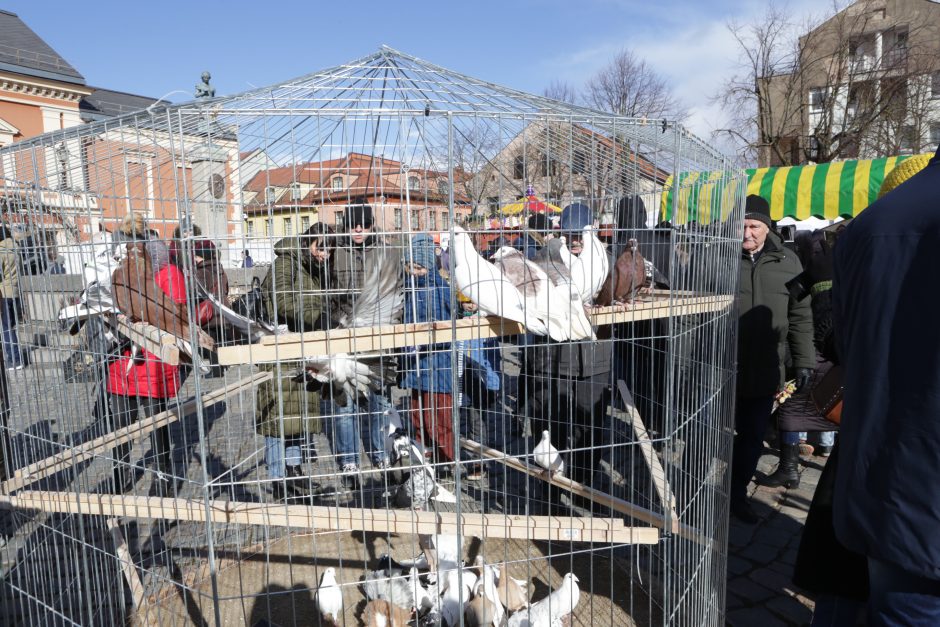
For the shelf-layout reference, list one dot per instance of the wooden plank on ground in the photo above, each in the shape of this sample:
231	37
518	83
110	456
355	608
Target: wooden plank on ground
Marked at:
60	461
624	507
323	518
127	564
295	346
660	482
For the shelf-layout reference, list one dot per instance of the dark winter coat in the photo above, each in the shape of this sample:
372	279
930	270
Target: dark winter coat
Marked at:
771	320
885	303
427	368
293	292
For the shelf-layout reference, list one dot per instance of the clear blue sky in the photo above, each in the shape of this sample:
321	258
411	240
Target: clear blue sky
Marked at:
152	48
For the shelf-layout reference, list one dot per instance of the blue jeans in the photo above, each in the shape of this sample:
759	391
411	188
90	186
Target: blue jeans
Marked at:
898	597
279	453
372	422
9	313
833	611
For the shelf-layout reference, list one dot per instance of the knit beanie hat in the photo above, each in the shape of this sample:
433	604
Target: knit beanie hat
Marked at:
903	171
358	214
539	222
422	251
756	208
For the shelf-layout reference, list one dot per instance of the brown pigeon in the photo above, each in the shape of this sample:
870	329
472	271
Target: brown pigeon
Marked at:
138	297
627	277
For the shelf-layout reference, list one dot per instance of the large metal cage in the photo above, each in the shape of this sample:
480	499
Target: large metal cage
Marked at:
184	442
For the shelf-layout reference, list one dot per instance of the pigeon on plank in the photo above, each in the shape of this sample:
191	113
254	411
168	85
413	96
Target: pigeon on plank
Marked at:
552	609
540	295
420	485
381	613
547	456
330	597
628	276
589	269
551	259
484	284
138	297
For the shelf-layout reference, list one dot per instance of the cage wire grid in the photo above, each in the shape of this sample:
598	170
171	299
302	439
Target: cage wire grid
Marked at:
221	489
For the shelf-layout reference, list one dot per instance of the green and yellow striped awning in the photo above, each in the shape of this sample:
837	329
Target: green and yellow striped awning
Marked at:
825	190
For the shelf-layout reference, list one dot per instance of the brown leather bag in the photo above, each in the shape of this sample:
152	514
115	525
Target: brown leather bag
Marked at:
827	395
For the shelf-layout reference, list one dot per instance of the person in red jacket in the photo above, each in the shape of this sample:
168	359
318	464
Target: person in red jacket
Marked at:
140	384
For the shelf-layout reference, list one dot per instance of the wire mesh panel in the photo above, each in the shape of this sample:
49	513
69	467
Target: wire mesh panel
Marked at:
382	343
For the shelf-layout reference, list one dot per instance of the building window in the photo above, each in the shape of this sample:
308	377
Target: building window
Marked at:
337	183
295	193
935	85
443	187
288	226
415	221
413	183
339	219
250	227
445	220
268	226
398	218
433	225
270	193
906	140
304	223
493	203
518	168
817	99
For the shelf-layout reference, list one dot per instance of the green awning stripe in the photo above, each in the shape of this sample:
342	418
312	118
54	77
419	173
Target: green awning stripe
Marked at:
847	188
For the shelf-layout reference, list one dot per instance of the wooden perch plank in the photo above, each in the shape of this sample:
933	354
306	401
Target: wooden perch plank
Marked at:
619	505
321	518
295	346
127	564
147	336
666	496
60	461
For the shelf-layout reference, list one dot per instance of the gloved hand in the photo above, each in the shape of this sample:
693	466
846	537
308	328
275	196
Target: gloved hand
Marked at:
803	376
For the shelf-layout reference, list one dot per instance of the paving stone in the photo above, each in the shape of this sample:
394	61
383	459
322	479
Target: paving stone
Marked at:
750	591
782	567
737	565
733	601
753	616
772	579
777	538
761	553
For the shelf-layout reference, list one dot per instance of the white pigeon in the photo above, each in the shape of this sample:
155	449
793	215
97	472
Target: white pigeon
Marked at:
330	597
552	609
483	283
551	260
547	456
486	586
380	584
351	374
589	269
541	296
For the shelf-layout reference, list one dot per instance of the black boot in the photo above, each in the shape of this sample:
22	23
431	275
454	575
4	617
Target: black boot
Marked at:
788	470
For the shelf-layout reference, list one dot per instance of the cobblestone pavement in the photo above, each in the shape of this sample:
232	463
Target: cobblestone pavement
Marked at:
761	556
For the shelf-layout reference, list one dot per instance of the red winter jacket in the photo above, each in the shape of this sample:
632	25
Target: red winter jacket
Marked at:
148	376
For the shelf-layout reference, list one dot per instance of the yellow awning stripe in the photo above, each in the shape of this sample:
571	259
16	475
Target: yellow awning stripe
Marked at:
860	191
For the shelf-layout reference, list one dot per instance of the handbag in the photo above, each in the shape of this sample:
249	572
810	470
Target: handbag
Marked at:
827	395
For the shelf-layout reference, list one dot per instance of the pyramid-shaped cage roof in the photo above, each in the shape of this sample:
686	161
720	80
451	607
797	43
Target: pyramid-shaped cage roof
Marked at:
388	119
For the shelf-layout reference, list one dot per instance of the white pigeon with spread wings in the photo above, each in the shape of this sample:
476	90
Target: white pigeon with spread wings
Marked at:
547	456
484	284
541	296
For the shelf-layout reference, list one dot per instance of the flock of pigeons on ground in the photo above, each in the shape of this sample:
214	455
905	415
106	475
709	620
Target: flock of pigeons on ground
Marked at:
437	588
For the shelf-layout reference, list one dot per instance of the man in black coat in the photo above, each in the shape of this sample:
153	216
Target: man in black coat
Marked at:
771	321
885	303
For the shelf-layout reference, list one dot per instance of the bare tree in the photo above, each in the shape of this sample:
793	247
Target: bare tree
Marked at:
842	90
629	86
561	90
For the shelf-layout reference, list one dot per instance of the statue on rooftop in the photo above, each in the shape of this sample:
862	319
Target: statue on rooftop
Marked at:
204	89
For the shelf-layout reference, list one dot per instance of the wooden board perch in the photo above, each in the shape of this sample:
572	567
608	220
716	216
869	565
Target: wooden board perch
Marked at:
624	507
323	518
295	346
147	336
127	564
60	461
